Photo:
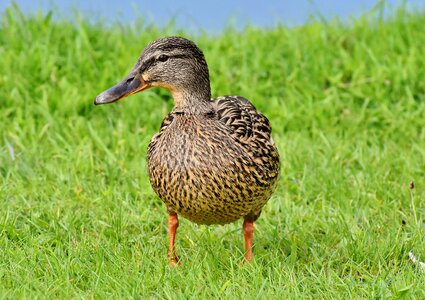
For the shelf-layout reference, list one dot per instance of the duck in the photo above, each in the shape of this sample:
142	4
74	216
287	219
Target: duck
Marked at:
213	161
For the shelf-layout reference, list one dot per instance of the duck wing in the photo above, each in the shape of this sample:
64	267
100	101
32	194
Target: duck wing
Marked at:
243	119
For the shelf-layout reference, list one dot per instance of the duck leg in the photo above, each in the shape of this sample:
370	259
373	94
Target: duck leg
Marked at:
248	232
173	223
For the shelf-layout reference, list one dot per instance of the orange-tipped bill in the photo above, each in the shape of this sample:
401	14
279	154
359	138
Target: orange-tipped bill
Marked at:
125	88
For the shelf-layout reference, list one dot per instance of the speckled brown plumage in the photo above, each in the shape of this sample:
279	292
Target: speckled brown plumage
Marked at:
216	167
213	161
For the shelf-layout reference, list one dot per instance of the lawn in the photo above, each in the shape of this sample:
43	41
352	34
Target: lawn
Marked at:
78	217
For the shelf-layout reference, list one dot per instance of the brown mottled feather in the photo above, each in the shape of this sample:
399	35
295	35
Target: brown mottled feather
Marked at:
216	167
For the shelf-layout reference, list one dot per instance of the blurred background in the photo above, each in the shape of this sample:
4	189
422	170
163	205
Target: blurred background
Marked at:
210	16
346	99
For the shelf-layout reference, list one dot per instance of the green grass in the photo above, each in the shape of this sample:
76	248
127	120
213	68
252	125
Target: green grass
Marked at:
78	218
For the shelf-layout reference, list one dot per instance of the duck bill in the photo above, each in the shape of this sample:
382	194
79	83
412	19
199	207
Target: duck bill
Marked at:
125	88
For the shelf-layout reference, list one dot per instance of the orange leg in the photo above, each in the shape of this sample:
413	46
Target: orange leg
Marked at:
248	232
173	223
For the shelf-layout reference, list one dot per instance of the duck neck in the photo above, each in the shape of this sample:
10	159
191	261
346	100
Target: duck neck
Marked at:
193	102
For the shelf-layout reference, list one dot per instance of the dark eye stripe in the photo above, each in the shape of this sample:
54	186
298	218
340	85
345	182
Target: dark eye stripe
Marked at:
146	65
180	56
163	57
152	61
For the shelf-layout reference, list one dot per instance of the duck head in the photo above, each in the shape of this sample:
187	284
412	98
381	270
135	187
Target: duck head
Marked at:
174	63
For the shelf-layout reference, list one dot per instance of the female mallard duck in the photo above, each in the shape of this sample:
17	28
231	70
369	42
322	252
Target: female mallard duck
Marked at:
213	161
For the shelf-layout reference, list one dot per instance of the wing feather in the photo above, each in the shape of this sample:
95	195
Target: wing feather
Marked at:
245	121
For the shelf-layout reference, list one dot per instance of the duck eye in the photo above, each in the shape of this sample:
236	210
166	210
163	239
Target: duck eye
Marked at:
163	57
